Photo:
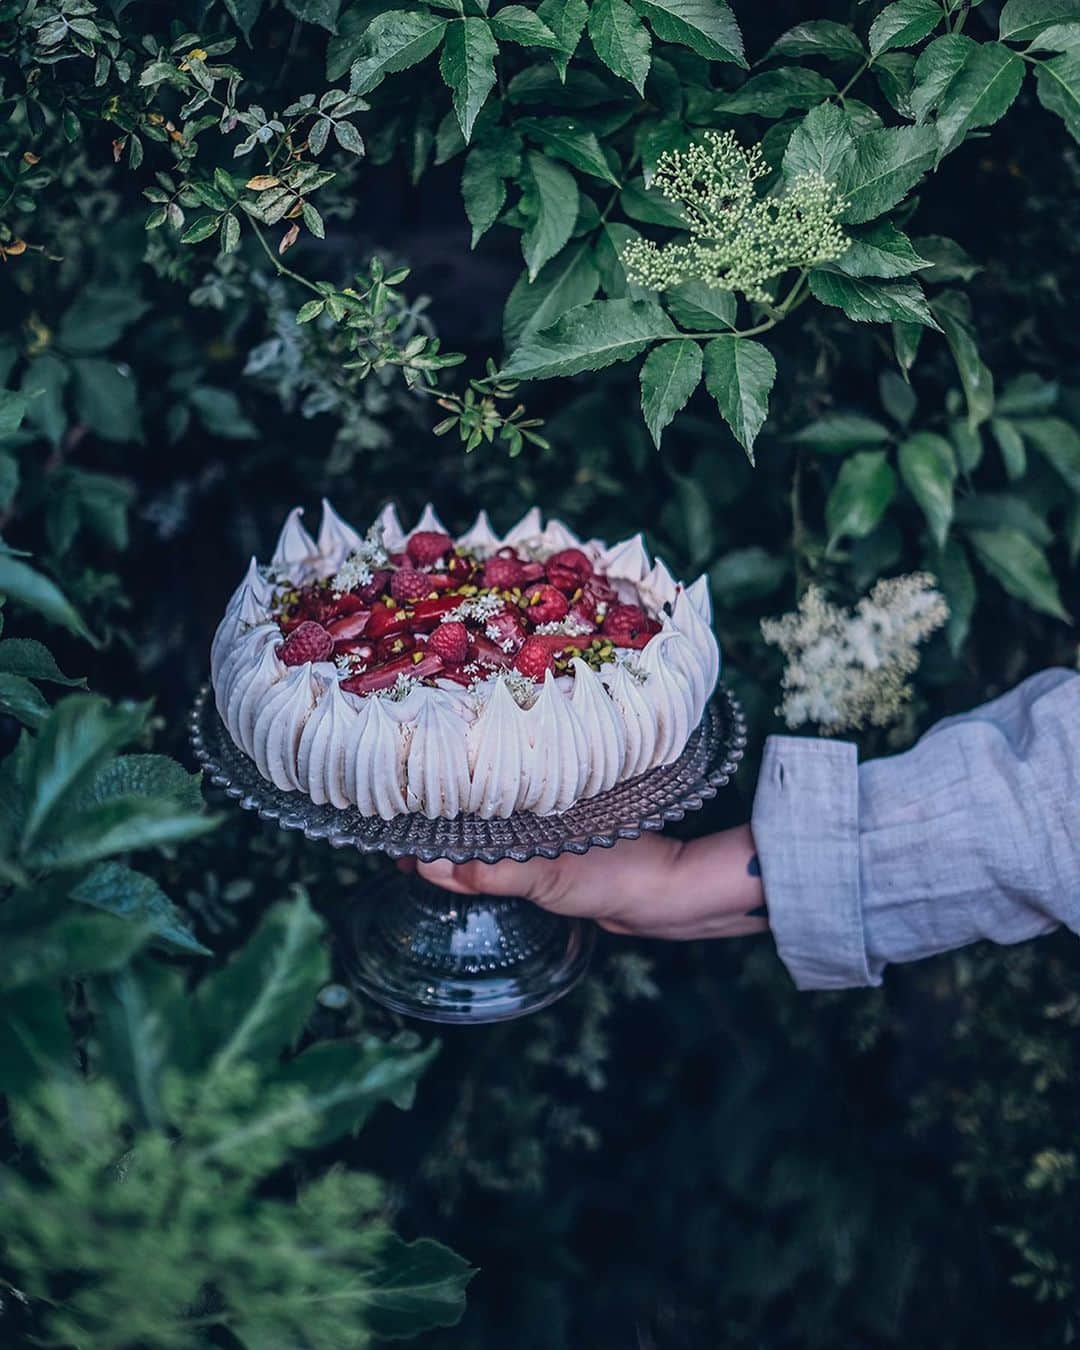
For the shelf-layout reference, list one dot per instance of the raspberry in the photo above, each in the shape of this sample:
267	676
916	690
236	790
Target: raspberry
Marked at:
534	659
503	574
573	560
629	626
545	604
428	547
451	642
309	641
378	584
408	584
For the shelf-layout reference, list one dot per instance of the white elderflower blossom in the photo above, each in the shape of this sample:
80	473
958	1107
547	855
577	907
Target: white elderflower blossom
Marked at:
400	689
571	626
738	239
478	607
850	669
523	688
359	567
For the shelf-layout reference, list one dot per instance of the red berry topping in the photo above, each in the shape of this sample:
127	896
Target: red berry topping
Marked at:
507	629
309	641
629	626
375	587
428	546
489	652
427	613
584	613
534	659
385	676
462	567
386	620
349	625
346	603
573	560
408	584
503	574
545	604
451	642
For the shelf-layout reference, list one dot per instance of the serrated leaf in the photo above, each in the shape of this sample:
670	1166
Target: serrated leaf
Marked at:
22	583
864	489
818	37
467	65
483	187
928	468
822	143
1023	20
885	166
148	776
255	1006
416	1286
569	139
1020	567
73	944
838	433
98	317
33	660
872	301
670	374
620	41
904	23
935	70
1057	83
245	12
590	337
740	374
393	41
550	204
701	308
570	279
982	92
37	1039
117	889
953	313
22	700
324	13
1059	444
515	23
566	19
707	27
139	1016
880	251
106	398
775	92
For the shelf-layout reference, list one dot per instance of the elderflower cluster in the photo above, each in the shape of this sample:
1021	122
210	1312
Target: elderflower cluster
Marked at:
738	239
478	607
358	568
523	688
400	690
850	669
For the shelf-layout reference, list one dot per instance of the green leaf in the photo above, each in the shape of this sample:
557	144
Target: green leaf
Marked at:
12	411
928	468
982	92
33	660
121	825
1028	395
904	23
245	13
222	414
416	1286
139	1016
566	19
740	375
699	307
747	574
1059	444
255	1006
589	338
98	317
550	204
311	309
148	776
393	41
22	700
650	206
515	23
863	491
120	890
880	251
669	375
324	13
775	92
953	313
936	68
707	27
1022	20
872	301
1020	567
818	37
37	1039
43	383
568	280
483	185
567	139
21	583
9	479
202	228
906	340
467	65
948	261
989	510
822	143
1057	83
956	581
73	944
1011	444
620	41
884	168
107	398
838	433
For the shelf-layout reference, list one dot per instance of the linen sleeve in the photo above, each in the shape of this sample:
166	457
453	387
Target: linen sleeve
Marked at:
973	833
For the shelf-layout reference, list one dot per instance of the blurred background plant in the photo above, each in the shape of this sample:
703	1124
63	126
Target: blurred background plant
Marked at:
236	274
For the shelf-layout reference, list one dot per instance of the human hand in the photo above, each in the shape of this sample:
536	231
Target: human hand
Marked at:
654	887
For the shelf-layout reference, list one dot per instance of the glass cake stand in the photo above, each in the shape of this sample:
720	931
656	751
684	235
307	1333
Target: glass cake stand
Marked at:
428	953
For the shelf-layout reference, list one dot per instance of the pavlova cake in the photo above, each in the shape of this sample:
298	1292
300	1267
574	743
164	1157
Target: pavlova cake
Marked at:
408	671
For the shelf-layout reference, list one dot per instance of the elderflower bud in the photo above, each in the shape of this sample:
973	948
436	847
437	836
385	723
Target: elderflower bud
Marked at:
850	669
738	240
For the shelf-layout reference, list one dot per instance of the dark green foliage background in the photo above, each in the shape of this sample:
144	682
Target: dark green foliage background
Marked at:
686	1153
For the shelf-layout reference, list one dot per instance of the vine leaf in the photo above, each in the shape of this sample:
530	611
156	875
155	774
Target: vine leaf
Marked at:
669	376
740	375
467	65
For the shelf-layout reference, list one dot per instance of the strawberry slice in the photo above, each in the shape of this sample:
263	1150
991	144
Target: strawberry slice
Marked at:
385	676
386	620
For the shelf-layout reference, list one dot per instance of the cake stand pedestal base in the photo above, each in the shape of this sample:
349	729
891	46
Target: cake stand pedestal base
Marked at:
428	953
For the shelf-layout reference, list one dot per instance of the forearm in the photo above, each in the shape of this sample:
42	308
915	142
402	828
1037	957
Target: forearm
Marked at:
715	877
